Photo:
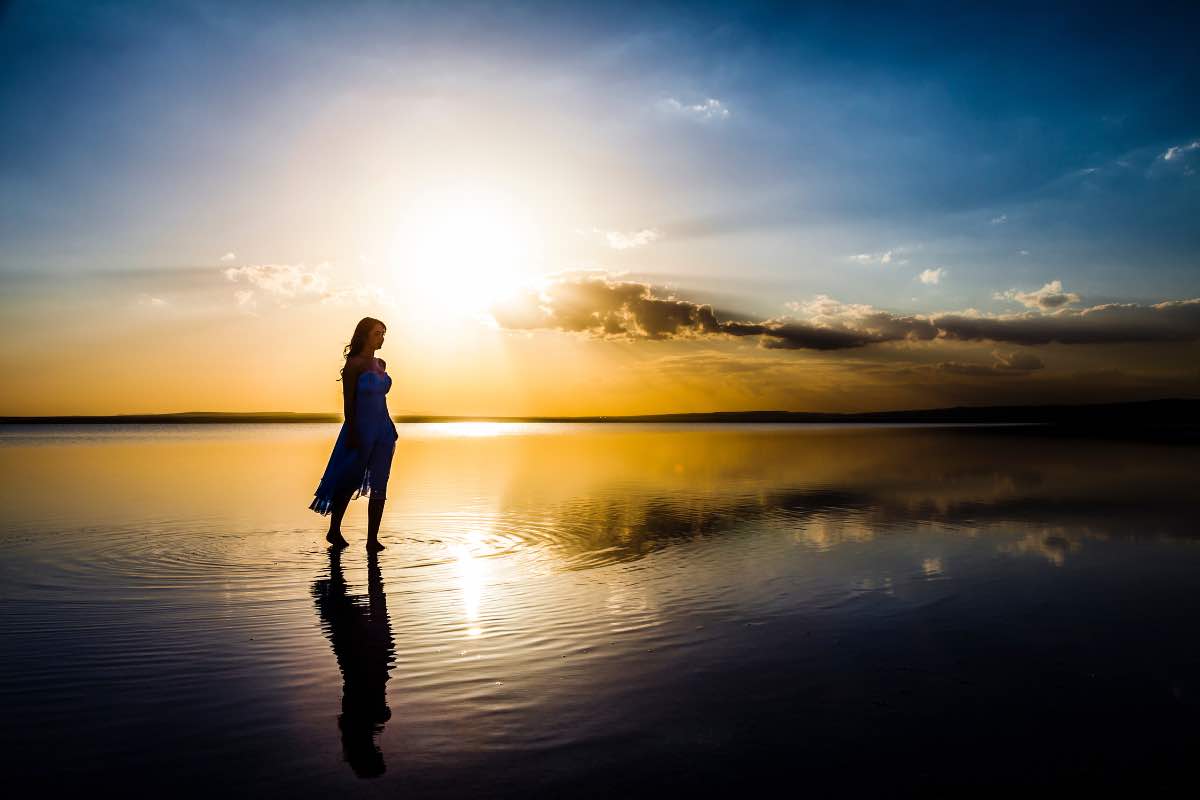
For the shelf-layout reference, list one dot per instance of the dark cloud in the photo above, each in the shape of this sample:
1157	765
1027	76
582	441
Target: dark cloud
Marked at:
803	336
1017	362
1006	364
1050	296
859	331
594	303
1171	321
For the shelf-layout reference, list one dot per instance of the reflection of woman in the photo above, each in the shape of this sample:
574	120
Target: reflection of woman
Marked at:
361	637
362	456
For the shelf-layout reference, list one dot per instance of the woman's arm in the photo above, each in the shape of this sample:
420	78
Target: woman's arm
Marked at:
349	396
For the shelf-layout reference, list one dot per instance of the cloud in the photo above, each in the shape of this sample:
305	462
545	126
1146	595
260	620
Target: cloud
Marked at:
1000	220
144	299
884	257
627	241
599	305
1178	151
245	299
1017	362
932	276
1006	364
282	280
285	283
594	303
1169	321
591	302
832	325
228	257
710	108
1050	296
357	296
873	328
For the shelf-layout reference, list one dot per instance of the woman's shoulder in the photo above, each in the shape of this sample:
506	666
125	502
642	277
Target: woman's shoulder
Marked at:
365	364
356	365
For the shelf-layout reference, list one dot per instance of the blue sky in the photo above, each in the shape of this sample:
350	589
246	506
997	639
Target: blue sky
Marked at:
918	158
914	124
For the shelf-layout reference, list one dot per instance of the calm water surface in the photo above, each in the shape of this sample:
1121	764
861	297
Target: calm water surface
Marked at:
575	610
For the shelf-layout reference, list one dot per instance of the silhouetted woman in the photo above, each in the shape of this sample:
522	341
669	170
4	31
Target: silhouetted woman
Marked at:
361	637
361	460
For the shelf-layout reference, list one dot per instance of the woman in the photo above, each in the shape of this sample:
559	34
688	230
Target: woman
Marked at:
362	456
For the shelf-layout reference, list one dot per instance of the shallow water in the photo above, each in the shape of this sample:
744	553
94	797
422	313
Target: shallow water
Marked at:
598	609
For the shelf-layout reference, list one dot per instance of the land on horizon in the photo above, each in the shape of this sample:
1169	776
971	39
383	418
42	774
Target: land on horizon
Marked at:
1168	412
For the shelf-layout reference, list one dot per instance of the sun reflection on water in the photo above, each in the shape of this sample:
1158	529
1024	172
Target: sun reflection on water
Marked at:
798	565
472	575
473	430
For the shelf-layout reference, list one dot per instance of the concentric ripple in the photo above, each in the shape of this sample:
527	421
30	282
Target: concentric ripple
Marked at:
169	602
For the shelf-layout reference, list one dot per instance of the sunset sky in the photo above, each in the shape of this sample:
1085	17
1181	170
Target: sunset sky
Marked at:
598	208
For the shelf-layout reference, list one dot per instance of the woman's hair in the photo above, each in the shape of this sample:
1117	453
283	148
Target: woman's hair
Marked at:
359	339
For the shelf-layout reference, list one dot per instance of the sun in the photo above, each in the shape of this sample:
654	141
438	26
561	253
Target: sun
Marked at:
459	249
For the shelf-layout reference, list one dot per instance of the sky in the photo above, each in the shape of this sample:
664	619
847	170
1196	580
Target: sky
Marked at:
597	208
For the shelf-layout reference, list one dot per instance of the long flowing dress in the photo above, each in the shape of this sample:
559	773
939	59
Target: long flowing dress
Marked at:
363	471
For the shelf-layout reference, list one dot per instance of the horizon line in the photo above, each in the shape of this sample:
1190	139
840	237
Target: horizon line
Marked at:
1049	412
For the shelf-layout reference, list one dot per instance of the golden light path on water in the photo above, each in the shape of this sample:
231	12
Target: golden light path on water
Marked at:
472	572
547	591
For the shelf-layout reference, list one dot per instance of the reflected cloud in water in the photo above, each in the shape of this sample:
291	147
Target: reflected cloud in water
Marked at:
828	489
608	604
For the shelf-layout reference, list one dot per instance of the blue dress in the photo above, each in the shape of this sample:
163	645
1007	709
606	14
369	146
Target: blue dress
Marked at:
364	471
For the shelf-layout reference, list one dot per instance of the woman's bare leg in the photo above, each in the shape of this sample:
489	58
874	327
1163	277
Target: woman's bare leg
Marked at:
336	513
374	517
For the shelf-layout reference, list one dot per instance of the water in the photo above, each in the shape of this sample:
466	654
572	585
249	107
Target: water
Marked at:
587	610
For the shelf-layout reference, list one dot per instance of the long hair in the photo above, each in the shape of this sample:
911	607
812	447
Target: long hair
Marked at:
357	341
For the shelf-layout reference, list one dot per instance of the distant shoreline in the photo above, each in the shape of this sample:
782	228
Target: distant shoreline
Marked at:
1168	413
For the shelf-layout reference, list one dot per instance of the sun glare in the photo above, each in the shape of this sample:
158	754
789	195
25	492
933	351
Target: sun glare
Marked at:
460	249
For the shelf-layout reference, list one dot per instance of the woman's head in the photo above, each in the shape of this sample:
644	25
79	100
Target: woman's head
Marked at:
368	335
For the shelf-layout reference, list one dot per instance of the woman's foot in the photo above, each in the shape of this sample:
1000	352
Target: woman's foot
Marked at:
336	539
373	546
